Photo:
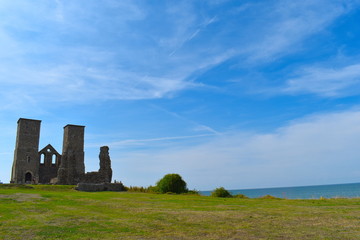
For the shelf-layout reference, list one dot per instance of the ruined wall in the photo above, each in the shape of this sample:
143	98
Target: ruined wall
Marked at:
104	174
97	187
50	161
48	166
72	166
26	157
105	164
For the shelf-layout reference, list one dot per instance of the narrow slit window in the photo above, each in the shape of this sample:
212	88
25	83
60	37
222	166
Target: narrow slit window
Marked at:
53	159
28	159
42	158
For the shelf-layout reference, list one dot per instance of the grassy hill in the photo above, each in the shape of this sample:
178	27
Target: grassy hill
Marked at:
59	212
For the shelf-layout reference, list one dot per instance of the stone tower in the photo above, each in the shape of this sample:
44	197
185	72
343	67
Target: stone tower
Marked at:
72	167
105	170
25	167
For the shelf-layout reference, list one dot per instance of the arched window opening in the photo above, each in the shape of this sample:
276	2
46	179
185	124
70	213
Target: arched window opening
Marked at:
28	177
42	158
53	159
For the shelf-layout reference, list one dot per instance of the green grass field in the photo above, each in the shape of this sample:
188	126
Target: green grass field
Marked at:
59	212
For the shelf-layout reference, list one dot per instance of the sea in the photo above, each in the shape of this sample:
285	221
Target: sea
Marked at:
348	190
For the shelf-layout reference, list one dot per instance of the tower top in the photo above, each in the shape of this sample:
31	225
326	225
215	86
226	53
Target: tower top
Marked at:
27	119
72	125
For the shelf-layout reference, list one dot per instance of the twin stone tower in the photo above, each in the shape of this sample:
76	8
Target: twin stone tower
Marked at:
47	165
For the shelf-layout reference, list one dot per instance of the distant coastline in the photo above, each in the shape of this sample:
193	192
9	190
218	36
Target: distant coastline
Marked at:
345	190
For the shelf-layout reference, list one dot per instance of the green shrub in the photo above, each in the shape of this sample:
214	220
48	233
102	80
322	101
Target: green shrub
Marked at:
153	189
241	196
149	189
193	192
269	197
135	189
171	183
221	192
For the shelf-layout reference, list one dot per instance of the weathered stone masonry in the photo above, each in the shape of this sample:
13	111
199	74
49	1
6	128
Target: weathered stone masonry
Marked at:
72	167
48	166
26	156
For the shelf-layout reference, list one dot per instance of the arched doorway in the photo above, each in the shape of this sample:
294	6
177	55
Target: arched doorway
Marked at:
28	177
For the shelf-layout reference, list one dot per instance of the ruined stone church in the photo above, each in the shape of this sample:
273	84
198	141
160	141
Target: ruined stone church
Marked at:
47	165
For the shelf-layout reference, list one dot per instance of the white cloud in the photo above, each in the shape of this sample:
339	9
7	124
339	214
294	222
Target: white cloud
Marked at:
44	67
130	142
319	149
291	22
326	82
90	52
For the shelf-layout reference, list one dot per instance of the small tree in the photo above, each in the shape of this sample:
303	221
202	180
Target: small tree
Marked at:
221	192
172	183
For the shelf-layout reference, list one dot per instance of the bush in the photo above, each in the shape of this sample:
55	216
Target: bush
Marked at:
193	192
150	189
269	197
241	196
135	189
171	183
153	189
221	192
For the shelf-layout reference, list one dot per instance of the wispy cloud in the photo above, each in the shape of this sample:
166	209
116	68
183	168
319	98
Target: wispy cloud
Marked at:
312	150
85	52
198	126
185	38
326	82
129	142
289	23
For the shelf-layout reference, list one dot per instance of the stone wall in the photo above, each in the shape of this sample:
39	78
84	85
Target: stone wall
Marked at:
72	166
26	157
98	187
104	174
50	160
48	166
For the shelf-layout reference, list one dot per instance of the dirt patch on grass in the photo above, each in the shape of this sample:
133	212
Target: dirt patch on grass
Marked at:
22	197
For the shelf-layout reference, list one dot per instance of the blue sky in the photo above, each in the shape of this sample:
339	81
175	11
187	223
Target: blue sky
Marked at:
240	94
